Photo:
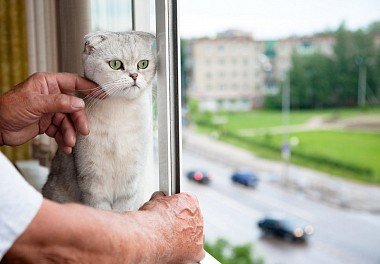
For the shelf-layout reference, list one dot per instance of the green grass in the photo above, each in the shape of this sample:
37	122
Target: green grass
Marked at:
357	149
349	154
265	118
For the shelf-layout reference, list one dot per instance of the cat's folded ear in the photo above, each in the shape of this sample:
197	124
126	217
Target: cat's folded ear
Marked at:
150	38
92	40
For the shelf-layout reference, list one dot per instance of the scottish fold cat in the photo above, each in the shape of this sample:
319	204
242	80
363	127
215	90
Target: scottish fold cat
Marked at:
107	168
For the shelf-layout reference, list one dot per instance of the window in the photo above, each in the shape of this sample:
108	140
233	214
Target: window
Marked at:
234	211
120	15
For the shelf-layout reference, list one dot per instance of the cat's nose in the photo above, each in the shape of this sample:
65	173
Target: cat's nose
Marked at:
133	76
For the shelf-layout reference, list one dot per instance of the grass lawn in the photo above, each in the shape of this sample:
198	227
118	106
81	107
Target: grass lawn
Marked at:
360	149
340	152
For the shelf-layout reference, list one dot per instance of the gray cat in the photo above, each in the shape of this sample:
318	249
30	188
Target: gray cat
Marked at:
107	168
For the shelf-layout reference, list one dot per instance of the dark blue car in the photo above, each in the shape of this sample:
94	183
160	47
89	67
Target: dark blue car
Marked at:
286	227
246	178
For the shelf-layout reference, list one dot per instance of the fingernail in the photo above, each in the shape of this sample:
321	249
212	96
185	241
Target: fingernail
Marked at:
77	103
67	150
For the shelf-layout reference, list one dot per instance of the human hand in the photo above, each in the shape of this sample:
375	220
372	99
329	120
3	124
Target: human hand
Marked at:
44	103
180	223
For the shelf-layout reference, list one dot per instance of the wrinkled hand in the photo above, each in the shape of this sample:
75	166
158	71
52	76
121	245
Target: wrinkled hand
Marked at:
44	103
180	221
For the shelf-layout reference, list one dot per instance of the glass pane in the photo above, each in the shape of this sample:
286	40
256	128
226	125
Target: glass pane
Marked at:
114	15
117	16
281	126
60	45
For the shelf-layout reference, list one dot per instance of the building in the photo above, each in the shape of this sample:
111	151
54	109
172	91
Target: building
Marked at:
234	72
224	73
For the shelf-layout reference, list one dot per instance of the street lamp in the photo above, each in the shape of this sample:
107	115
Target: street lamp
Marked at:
362	82
285	149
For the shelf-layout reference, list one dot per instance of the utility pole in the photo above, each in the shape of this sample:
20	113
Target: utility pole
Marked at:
285	149
362	83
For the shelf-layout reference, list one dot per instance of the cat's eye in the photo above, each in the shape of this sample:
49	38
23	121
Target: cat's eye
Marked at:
143	64
115	64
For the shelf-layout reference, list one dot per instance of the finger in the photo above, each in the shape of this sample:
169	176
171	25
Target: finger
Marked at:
59	139
66	127
51	130
68	83
45	122
80	122
157	194
57	103
68	132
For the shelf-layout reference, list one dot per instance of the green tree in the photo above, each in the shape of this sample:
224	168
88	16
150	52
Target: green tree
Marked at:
311	81
319	80
374	28
351	50
225	253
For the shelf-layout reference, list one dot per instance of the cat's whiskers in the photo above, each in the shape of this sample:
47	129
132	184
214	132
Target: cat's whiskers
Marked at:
96	99
104	90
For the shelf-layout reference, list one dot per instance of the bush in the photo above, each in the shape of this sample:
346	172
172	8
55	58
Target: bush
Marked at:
225	253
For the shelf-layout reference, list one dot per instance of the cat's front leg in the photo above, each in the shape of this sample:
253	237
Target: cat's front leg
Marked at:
124	203
96	200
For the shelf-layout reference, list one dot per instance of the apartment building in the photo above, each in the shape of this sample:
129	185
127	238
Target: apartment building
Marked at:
234	72
224	73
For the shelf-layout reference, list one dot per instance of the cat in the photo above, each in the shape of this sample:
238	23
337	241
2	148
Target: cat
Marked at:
107	169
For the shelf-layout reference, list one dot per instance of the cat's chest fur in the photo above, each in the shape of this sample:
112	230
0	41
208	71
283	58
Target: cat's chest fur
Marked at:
114	154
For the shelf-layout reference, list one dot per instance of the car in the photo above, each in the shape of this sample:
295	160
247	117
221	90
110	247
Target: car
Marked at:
245	177
284	226
199	176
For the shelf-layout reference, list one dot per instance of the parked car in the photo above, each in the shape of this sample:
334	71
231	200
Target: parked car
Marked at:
286	227
199	176
245	177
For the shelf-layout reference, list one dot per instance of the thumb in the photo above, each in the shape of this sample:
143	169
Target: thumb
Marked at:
59	103
157	194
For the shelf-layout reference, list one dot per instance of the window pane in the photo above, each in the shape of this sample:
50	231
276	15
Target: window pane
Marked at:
289	129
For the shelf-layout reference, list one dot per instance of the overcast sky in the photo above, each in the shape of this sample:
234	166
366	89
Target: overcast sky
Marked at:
270	19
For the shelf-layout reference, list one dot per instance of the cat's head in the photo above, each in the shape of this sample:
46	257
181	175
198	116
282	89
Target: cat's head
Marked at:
122	63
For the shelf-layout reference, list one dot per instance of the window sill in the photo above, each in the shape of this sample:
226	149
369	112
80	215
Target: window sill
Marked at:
209	260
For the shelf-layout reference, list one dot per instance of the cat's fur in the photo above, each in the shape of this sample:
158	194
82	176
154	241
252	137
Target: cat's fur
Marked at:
108	167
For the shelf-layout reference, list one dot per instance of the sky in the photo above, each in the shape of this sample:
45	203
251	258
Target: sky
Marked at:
273	19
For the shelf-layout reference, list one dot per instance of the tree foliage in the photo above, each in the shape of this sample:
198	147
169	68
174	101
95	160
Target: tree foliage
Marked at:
318	80
225	253
311	78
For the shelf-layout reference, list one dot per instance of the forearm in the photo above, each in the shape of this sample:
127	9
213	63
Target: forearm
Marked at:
77	234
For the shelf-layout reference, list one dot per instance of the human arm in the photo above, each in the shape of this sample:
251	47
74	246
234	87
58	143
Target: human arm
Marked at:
169	229
45	103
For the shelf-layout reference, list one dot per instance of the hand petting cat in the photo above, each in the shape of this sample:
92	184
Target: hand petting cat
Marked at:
45	103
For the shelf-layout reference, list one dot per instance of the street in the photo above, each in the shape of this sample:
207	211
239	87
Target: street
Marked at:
231	211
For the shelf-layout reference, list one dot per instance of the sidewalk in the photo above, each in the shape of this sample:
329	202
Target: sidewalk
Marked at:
316	185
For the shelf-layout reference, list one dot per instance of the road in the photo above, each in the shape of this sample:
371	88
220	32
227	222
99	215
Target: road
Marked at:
231	211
